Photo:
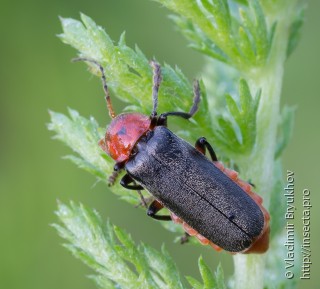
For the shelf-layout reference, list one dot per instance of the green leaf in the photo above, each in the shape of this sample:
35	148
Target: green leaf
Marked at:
211	28
219	278
271	35
102	282
128	72
199	40
245	44
108	250
295	31
194	283
206	274
209	280
237	129
244	2
82	136
285	129
162	264
261	31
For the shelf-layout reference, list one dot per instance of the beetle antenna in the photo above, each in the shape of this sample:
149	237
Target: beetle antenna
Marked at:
155	87
104	82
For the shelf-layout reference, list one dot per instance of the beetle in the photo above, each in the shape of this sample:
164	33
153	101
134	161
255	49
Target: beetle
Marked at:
209	200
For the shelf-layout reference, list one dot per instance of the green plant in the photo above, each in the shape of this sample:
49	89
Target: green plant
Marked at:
251	40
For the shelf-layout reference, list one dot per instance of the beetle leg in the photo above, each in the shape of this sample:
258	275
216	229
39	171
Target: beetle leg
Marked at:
184	238
162	120
154	208
252	184
145	201
126	180
202	145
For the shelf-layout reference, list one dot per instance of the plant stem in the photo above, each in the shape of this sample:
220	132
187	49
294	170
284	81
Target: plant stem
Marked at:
249	269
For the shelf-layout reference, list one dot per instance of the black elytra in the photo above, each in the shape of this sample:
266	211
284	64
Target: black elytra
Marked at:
193	188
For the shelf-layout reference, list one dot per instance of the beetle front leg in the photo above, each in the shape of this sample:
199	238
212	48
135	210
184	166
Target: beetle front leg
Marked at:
202	145
126	180
154	208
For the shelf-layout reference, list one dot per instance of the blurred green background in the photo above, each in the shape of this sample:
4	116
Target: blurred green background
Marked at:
36	75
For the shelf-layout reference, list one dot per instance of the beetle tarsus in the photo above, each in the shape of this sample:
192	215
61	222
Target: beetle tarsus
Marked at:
184	238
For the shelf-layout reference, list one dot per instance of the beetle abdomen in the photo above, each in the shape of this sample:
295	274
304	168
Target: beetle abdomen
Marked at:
190	186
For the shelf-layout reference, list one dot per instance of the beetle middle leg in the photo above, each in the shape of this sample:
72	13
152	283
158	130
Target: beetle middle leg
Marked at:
127	180
184	238
154	208
202	145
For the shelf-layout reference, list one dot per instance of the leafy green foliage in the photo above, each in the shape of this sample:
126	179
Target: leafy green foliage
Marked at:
239	37
210	281
117	260
129	73
82	136
111	252
236	129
